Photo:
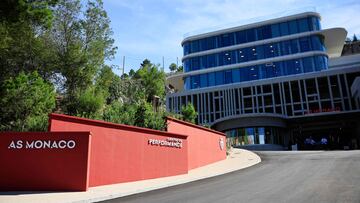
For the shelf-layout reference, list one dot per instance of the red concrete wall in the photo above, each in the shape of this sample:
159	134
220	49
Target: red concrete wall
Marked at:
203	143
121	153
34	167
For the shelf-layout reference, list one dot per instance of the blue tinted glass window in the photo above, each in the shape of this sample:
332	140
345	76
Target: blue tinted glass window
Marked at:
250	35
315	23
244	74
241	37
195	63
308	64
228	76
203	62
186	48
211	60
254	73
260	52
195	81
319	63
285	47
268	70
293	28
203	80
303	25
317	43
297	66
211	43
211	79
275	30
219	78
284	29
241	56
266	32
289	67
203	44
236	75
249	54
259	33
227	39
187	83
271	50
278	69
304	44
219	59
294	46
227	58
195	46
187	65
262	71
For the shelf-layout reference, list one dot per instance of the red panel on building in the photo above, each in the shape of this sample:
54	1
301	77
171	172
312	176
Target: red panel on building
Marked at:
44	161
122	153
206	146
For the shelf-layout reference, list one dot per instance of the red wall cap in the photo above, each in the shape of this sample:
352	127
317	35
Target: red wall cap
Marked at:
112	125
195	126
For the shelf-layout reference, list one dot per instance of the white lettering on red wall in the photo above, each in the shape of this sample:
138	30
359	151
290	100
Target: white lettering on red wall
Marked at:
42	144
169	142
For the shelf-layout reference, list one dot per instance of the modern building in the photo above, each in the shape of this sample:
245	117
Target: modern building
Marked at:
278	81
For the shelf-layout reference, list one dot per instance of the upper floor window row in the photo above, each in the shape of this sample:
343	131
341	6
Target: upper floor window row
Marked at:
294	46
253	34
256	72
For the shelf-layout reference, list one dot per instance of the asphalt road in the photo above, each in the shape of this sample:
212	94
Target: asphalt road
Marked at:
310	176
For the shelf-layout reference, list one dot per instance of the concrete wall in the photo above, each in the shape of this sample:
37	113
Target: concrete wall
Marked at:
28	164
204	144
122	153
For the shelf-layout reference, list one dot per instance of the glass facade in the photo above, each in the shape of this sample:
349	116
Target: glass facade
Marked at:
256	72
283	48
253	135
250	35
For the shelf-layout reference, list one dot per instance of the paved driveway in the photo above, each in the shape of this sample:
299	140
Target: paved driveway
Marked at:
309	176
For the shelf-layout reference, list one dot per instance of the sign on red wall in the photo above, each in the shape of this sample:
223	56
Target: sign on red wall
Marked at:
44	161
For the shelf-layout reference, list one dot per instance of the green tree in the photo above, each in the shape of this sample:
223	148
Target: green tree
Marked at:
90	103
180	69
189	113
173	67
25	103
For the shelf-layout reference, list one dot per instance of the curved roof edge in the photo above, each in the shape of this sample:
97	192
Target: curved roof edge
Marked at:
251	25
334	39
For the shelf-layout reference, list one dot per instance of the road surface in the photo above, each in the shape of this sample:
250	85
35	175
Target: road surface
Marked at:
308	176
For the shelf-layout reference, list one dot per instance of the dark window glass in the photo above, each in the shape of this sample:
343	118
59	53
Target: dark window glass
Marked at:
186	48
219	78
226	39
195	46
262	71
278	69
203	44
211	43
254	73
304	44
266	32
195	81
187	65
211	61
259	33
294	46
285	47
195	63
211	79
228	76
250	53
203	80
275	30
250	35
308	64
241	56
203	62
303	25
284	29
227	58
270	70
236	75
289	67
260	52
244	74
241	37
317	43
319	63
219	59
271	50
297	66
293	28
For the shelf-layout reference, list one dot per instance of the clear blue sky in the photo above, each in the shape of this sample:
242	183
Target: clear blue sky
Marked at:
154	29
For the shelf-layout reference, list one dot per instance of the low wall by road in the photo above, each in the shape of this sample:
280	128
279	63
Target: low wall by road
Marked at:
122	153
205	146
44	161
